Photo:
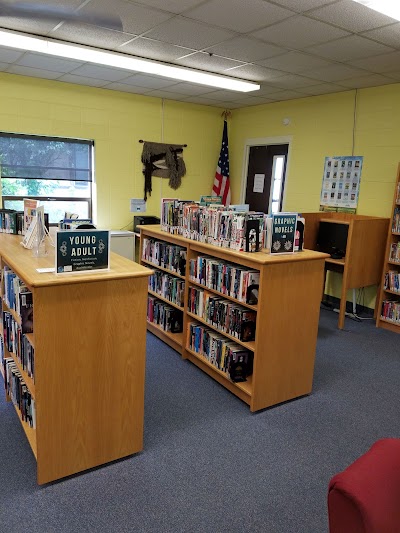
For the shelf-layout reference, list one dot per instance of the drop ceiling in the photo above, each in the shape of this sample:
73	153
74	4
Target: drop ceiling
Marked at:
292	48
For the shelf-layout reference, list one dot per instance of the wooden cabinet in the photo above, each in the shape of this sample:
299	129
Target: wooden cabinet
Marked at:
286	324
388	316
89	340
362	264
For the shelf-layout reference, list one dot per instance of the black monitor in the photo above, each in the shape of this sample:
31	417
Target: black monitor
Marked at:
332	238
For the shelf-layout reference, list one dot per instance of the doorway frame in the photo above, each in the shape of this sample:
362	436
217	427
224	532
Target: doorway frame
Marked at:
264	141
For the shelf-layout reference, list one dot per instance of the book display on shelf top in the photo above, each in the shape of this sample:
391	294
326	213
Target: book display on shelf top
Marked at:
388	315
232	323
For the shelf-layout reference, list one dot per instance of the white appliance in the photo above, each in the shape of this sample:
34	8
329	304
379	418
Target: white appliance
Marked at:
123	243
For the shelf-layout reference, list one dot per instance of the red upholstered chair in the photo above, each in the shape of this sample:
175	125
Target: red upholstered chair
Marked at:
365	498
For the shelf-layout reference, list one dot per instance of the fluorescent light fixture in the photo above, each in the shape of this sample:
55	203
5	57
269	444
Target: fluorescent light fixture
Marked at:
391	8
78	52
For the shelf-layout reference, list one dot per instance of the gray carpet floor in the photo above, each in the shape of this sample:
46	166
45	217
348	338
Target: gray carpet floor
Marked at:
209	465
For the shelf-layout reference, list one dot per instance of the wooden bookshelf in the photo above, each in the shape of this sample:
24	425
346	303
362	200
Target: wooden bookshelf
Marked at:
387	294
90	340
286	326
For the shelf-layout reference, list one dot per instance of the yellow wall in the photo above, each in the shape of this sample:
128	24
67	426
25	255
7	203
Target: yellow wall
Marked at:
319	126
322	126
116	121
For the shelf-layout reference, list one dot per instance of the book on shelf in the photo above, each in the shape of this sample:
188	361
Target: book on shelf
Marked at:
26	310
224	354
164	255
394	254
391	311
227	278
19	393
163	315
227	316
396	220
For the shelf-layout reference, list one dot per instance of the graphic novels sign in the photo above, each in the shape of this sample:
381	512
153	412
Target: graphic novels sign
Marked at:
283	233
82	250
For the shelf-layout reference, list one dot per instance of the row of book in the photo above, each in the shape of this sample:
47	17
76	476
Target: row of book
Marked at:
391	310
217	225
232	359
19	393
19	298
228	317
165	255
392	281
396	220
163	315
167	286
18	344
394	254
227	278
11	221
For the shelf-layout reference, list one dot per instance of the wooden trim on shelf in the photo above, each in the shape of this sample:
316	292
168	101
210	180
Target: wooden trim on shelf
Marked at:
395	263
156	295
242	390
175	338
172	272
251	345
218	293
28	380
31	339
14	314
392	292
29	432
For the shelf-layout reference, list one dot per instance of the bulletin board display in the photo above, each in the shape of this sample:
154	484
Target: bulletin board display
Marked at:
341	181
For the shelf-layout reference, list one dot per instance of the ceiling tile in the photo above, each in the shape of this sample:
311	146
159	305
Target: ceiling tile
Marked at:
151	49
45	62
382	63
188	33
90	35
302	5
39	27
223	95
102	73
334	72
190	89
152	82
394	74
254	73
246	49
123	87
299	32
267	90
203	101
213	63
349	48
253	100
34	72
4	66
389	35
80	80
294	62
239	16
8	55
174	6
291	81
135	18
371	80
286	95
322	88
166	94
351	16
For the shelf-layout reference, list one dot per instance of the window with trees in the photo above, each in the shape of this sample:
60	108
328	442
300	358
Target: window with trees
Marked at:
56	171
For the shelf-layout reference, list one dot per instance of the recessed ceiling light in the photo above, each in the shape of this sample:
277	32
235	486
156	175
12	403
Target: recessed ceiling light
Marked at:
391	8
86	54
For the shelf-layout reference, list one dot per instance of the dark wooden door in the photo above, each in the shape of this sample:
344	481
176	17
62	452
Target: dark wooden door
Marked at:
261	160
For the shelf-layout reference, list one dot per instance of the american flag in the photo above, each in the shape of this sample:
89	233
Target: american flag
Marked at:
222	186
